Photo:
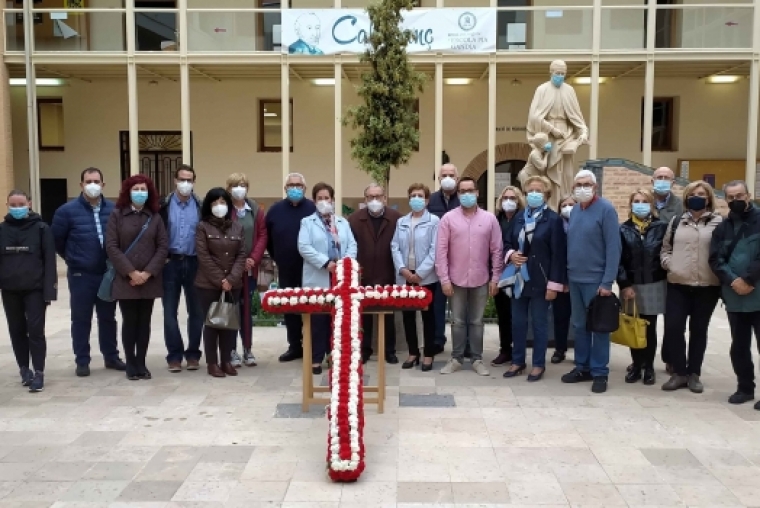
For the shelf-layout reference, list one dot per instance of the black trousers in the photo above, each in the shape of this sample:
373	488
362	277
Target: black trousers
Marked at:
368	330
292	278
561	311
742	324
503	306
644	358
25	312
428	326
217	344
321	331
695	303
135	329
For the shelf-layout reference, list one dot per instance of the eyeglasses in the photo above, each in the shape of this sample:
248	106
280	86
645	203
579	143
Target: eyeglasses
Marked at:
585	186
509	198
294	186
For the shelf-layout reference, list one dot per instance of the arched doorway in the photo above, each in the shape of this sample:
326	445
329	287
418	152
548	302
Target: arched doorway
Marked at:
506	174
510	159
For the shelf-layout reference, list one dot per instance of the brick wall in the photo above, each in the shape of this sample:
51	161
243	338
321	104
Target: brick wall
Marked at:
618	183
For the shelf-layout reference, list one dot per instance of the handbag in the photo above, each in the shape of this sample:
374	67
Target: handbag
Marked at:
266	273
105	290
602	314
632	332
223	315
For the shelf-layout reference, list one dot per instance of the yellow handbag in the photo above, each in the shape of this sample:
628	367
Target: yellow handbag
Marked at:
632	332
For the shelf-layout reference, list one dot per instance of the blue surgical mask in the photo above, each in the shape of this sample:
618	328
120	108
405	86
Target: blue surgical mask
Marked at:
295	194
641	210
139	197
19	212
557	80
661	186
535	199
417	204
468	200
547	147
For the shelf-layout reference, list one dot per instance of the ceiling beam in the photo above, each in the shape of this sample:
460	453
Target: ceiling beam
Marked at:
629	71
485	73
724	71
152	73
62	75
207	76
587	67
294	73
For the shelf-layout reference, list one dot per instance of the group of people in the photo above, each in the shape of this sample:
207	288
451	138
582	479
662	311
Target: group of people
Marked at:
672	256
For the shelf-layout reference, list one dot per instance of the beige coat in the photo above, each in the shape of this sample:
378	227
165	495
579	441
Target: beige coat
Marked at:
686	259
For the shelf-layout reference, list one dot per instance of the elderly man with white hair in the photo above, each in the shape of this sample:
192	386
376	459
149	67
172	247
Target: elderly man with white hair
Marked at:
283	223
593	258
668	205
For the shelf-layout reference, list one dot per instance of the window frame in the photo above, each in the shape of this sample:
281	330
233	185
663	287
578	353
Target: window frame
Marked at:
40	146
262	148
670	125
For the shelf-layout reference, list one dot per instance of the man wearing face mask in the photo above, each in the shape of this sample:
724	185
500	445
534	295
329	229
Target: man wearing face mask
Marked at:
283	221
735	259
373	227
668	205
446	199
593	259
79	229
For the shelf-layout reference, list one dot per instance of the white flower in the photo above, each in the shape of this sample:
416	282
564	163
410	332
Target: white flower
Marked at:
312	299
303	300
293	300
404	293
280	291
321	300
384	296
421	295
274	301
330	297
394	294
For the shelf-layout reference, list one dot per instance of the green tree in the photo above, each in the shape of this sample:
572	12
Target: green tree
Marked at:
386	121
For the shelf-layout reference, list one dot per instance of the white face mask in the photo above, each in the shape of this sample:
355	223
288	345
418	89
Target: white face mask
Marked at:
375	206
508	206
583	195
239	192
448	183
219	211
324	207
93	190
566	211
185	188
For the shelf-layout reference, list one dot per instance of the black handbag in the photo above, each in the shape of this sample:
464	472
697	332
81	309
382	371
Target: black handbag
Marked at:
603	314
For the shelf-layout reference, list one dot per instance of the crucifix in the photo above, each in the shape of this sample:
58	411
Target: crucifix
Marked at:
345	301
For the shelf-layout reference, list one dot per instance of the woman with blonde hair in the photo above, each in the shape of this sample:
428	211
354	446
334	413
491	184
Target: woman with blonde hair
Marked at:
693	288
641	278
508	205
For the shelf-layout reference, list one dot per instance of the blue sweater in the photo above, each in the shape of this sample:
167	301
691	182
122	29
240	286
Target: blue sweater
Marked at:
283	224
593	244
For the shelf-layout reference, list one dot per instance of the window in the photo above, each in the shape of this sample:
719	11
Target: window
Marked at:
663	124
155	31
50	124
270	125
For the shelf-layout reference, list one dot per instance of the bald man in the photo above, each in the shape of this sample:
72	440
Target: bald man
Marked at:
445	199
668	205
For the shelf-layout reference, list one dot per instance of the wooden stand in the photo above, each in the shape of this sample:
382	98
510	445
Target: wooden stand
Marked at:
308	378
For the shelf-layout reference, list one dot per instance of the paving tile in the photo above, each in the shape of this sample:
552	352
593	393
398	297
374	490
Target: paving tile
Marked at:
149	492
649	495
434	494
592	494
426	400
94	491
286	410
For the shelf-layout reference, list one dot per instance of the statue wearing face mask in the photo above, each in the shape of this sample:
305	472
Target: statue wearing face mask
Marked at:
555	113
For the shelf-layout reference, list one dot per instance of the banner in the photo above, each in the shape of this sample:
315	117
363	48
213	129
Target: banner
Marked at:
332	31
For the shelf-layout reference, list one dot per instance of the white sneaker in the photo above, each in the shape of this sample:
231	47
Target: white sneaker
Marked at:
248	359
235	359
480	368
452	366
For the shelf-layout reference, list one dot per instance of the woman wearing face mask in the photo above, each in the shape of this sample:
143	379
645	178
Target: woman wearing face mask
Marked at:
641	278
252	217
323	239
413	251
693	288
137	246
509	205
221	262
537	271
561	307
28	282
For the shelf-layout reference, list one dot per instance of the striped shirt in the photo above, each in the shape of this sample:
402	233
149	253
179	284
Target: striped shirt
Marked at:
98	226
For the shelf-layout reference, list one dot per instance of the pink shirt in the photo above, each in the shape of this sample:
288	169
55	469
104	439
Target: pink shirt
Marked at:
465	245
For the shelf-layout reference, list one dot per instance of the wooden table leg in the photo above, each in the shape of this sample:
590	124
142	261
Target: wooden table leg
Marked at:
308	380
381	363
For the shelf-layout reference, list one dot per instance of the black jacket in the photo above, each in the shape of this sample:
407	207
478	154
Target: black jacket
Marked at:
27	256
640	254
506	226
438	205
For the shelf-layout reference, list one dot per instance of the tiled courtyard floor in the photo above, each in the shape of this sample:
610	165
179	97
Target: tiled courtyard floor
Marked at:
187	440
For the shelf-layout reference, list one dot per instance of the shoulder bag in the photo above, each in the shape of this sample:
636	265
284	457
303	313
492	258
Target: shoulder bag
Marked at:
223	315
632	331
106	285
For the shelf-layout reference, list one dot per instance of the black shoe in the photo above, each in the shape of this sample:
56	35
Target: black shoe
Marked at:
577	376
26	376
649	376
427	367
316	370
131	373
83	370
290	355
38	383
391	358
740	398
630	367
633	375
411	363
757	406
600	384
532	378
558	357
437	350
116	364
500	360
514	371
366	355
143	372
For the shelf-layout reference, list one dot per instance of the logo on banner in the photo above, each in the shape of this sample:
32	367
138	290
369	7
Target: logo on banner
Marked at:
308	28
467	21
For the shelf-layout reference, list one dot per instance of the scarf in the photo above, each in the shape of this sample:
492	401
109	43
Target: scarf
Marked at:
641	225
222	225
328	221
513	279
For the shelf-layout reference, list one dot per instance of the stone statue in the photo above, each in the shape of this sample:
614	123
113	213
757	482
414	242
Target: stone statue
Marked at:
555	131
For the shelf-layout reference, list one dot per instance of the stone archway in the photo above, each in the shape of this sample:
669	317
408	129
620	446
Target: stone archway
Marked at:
504	152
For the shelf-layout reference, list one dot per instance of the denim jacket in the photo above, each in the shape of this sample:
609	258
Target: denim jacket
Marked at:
425	235
312	245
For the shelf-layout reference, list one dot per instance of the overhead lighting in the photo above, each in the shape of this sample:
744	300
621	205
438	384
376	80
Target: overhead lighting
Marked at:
38	82
324	81
458	81
270	114
723	79
516	82
586	80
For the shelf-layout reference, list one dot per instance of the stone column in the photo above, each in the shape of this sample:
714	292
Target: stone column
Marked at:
6	134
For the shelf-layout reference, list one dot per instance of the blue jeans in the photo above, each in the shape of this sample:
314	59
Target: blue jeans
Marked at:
539	314
84	298
179	274
592	350
246	319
